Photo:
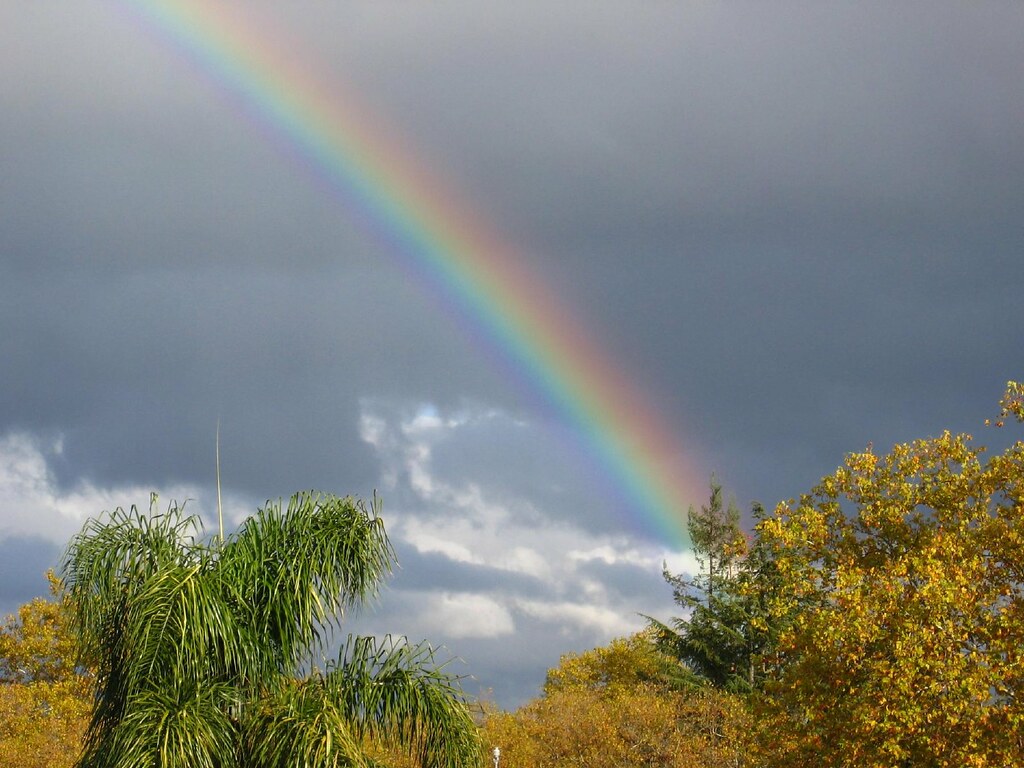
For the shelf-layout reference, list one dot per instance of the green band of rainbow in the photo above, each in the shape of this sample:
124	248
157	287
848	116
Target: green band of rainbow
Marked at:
468	266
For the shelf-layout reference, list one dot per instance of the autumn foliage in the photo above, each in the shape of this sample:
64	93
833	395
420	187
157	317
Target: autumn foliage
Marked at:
904	608
878	620
44	699
621	705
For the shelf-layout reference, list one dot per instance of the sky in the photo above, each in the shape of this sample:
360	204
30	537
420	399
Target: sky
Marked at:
791	229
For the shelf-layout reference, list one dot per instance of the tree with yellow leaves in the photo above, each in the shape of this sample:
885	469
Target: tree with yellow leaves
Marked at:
44	698
904	599
619	705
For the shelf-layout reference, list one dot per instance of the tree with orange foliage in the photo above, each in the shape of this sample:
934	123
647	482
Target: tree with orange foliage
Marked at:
618	705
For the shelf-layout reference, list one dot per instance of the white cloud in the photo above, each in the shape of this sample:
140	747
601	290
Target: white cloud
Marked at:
569	617
34	504
622	553
426	538
609	554
463	615
528	560
681	562
468	522
560	594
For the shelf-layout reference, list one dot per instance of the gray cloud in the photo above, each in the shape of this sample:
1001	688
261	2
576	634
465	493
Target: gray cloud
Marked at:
431	571
798	229
24	561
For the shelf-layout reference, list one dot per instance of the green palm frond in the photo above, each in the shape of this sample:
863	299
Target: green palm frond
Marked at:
300	724
108	559
180	624
299	569
176	726
395	692
198	645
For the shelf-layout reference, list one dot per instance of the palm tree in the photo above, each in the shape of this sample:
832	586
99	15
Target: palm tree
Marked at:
203	649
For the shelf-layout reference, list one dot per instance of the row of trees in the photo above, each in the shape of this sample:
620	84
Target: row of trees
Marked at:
877	620
626	704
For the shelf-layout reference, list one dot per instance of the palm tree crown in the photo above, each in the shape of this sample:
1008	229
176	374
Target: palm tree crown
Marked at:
199	647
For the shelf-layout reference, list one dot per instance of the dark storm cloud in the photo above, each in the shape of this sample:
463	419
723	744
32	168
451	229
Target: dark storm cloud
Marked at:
834	193
192	273
798	228
138	374
808	217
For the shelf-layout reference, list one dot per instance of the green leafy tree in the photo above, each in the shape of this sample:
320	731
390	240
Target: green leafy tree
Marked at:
719	546
904	602
719	636
762	608
200	646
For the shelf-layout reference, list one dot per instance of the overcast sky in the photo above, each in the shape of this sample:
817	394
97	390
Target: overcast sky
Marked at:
796	228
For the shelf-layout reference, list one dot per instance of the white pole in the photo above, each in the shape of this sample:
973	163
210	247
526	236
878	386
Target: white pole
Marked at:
220	513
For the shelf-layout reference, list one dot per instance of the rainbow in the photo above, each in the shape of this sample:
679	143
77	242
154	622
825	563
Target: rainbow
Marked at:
450	249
